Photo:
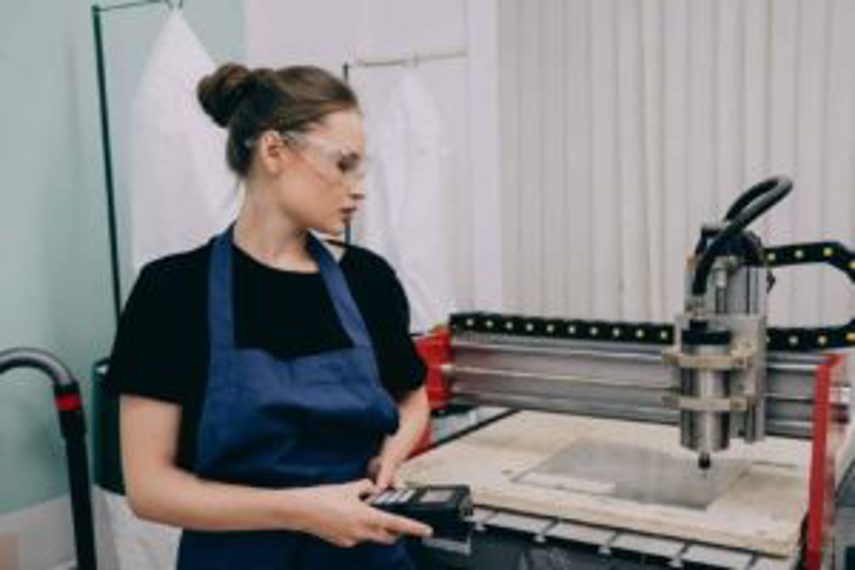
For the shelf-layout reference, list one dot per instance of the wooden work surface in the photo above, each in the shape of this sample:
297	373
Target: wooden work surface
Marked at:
516	464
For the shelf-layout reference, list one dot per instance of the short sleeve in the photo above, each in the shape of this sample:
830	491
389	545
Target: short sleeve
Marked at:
149	355
401	368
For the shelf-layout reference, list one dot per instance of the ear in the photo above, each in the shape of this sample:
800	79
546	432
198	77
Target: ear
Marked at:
273	152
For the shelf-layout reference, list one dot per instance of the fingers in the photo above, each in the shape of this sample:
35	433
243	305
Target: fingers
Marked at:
353	521
387	529
402	525
373	468
385	477
363	487
372	525
382	535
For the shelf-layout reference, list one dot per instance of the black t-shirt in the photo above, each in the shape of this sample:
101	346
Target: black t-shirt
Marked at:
161	349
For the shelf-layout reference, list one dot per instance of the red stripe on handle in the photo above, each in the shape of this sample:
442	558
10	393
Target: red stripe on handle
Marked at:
68	402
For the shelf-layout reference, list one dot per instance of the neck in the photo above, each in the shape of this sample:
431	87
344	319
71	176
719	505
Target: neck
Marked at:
270	237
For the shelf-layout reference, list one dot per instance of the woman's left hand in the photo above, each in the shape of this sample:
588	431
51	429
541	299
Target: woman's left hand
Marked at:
414	410
383	468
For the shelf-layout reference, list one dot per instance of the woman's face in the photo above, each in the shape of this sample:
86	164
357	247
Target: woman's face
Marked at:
323	183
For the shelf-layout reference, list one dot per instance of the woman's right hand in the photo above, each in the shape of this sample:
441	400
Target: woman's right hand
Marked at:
339	515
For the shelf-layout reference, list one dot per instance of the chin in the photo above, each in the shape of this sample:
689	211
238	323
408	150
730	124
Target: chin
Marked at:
333	229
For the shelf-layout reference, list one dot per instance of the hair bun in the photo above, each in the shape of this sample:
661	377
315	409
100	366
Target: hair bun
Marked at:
222	91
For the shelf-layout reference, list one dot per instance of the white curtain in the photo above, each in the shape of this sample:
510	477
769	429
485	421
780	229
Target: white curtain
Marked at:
626	124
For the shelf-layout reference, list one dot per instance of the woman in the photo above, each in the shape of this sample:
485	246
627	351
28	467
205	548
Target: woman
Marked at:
268	381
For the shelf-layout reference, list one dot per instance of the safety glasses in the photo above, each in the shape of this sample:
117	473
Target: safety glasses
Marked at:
329	160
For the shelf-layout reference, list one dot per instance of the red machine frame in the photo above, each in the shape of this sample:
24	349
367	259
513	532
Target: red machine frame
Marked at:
827	436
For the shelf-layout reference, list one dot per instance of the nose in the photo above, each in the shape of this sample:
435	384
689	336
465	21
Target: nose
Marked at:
357	190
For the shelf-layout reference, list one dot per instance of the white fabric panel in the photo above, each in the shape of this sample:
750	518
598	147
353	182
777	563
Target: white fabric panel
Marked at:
676	189
810	139
633	283
531	127
578	236
607	229
478	209
511	188
139	544
728	65
553	172
181	191
652	113
668	110
408	205
839	208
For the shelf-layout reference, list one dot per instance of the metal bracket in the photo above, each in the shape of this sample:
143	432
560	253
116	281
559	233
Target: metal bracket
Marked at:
738	359
734	404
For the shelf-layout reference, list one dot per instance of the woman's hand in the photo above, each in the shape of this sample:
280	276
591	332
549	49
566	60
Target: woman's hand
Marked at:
414	411
383	468
339	515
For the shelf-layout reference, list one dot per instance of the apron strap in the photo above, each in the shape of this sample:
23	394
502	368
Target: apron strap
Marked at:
221	325
346	308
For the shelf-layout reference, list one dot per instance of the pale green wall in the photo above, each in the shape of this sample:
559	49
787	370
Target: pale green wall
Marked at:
54	271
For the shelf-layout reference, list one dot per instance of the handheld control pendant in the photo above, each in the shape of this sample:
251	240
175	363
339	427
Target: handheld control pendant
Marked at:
445	508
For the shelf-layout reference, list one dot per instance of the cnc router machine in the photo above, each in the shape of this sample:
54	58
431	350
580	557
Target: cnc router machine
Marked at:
590	467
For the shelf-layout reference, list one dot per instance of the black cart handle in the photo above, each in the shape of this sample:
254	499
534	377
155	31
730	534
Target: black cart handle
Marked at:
73	427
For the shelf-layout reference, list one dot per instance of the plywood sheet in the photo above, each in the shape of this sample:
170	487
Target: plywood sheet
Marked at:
630	475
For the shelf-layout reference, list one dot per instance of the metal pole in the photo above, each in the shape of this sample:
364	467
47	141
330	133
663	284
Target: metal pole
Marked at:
108	161
107	152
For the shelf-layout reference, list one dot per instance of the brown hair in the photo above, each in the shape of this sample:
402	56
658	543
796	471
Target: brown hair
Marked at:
249	102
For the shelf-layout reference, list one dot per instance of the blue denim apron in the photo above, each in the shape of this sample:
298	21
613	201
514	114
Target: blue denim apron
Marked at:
274	423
